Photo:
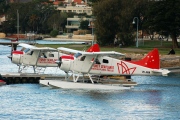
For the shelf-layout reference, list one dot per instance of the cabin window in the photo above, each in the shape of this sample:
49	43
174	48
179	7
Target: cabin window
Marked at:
51	55
43	55
82	58
105	61
26	50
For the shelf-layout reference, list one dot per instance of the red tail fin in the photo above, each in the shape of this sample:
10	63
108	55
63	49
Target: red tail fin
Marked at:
151	60
94	48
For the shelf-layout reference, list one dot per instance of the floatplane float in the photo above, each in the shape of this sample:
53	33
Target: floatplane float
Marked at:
93	69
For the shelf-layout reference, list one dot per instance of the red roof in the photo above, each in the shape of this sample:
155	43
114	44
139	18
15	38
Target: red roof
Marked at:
77	1
56	3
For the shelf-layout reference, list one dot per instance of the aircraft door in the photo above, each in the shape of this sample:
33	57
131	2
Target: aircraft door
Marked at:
82	63
107	66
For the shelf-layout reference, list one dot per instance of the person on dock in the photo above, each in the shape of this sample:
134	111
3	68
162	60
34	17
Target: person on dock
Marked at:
115	41
171	52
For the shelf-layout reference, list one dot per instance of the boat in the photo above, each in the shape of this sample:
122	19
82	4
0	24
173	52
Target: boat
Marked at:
2	82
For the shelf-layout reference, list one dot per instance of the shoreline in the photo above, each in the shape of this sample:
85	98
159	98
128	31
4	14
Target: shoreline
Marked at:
53	39
68	40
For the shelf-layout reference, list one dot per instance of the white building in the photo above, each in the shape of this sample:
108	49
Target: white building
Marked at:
77	9
74	23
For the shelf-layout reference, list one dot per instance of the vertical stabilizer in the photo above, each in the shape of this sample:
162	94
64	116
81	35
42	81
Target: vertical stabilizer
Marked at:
94	48
151	60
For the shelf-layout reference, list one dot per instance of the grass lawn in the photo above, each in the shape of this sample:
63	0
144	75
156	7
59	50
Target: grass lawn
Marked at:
144	47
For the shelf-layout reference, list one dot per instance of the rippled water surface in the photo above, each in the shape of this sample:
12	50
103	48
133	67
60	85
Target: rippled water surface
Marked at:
154	98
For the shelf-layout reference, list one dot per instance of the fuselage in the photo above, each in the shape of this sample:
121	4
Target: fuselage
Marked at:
35	58
104	65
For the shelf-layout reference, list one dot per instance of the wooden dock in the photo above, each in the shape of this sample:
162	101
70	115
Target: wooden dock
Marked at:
16	78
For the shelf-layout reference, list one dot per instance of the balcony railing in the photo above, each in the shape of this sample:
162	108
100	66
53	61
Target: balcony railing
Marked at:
72	26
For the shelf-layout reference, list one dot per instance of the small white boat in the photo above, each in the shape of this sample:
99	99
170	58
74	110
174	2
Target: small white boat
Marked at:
84	85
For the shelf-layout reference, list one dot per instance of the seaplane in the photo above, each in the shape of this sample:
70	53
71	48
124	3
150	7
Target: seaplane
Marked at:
33	56
93	62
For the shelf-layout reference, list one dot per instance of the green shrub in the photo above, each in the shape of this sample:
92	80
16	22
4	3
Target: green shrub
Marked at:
54	33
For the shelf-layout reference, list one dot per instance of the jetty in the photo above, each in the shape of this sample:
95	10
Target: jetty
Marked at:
16	78
21	78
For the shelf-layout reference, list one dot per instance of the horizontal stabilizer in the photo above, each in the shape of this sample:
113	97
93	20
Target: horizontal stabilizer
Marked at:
163	71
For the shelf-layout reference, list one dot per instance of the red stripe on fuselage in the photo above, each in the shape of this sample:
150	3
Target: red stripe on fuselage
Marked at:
69	57
17	52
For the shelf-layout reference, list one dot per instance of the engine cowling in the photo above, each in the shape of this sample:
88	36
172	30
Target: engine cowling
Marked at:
66	61
16	56
65	65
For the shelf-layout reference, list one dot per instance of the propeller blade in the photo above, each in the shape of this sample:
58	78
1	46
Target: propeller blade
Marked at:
59	62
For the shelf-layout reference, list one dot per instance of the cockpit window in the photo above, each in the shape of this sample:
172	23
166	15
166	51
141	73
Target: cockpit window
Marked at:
26	50
97	61
82	58
77	55
31	52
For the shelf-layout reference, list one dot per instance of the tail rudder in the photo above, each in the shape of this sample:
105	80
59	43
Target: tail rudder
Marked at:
151	60
94	48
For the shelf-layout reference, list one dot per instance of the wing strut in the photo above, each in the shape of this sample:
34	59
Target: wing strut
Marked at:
92	63
37	61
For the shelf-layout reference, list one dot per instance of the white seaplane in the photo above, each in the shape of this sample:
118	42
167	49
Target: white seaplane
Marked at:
95	63
38	58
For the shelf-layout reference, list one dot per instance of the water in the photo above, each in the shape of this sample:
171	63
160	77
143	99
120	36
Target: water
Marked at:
44	41
154	98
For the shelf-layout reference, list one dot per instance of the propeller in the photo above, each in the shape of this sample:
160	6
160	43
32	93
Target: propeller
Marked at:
59	62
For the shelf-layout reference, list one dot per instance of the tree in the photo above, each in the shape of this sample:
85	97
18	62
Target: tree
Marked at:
114	18
164	17
56	20
3	6
33	16
84	25
54	33
106	24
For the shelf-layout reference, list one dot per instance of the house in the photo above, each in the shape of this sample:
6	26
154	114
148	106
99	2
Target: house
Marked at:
77	9
74	23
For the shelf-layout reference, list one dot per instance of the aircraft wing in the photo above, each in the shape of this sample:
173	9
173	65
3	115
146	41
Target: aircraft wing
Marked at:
108	53
36	48
68	50
26	45
44	49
